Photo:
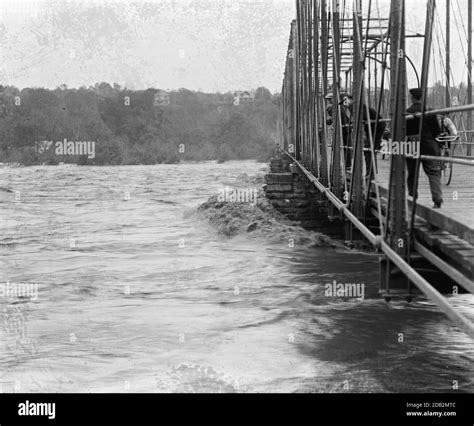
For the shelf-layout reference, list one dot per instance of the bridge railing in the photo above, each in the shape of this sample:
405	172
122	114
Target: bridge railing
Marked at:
331	47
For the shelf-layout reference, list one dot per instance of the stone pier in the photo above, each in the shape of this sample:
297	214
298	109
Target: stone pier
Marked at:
291	193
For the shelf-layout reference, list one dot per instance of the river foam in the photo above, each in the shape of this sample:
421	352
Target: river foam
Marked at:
258	219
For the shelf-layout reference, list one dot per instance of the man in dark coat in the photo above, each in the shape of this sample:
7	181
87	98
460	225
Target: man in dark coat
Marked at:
376	128
346	118
346	101
428	146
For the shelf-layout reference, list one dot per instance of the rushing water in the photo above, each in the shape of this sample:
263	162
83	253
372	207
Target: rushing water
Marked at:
137	292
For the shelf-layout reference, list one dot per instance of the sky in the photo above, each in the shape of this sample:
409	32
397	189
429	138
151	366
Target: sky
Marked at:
207	45
415	23
211	45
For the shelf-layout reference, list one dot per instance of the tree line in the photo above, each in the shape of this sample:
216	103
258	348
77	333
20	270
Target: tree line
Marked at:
134	127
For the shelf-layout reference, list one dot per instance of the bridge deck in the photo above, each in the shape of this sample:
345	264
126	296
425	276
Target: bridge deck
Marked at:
448	232
457	213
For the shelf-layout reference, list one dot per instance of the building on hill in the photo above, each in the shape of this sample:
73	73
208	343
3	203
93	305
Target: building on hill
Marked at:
243	96
161	98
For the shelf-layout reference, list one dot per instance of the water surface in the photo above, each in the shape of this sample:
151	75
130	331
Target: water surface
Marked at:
137	292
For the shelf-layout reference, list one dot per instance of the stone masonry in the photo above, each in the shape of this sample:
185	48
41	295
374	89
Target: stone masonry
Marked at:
293	195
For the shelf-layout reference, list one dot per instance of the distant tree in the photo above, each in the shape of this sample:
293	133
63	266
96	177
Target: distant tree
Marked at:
262	93
129	129
104	89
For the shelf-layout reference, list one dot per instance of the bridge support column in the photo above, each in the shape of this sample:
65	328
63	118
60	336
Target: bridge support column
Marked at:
392	281
401	287
292	194
353	238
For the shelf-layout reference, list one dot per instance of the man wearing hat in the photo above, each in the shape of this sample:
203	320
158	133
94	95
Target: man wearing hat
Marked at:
345	101
377	128
346	113
428	146
329	109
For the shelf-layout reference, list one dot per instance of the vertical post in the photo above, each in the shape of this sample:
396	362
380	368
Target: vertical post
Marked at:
309	65
376	74
424	86
315	88
299	73
397	227
286	127
324	86
310	85
289	96
298	88
294	90
301	89
279	125
336	172
285	111
469	73
357	184
448	52
427	49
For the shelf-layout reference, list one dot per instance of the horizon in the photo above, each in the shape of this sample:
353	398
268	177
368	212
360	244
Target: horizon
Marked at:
112	84
207	46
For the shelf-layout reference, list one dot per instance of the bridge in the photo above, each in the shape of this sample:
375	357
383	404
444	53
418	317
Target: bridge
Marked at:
340	48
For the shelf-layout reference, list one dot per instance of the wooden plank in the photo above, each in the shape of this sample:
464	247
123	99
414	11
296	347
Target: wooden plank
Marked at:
457	213
457	252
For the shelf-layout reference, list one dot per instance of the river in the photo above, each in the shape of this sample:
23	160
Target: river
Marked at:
127	287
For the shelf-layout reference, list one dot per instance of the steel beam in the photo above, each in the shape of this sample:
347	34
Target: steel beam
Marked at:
448	52
294	87
324	84
397	225
357	184
336	171
469	70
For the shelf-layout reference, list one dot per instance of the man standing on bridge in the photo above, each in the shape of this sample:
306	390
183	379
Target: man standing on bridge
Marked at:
346	101
377	129
428	146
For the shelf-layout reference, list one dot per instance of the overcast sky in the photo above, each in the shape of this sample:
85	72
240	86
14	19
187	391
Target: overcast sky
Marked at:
212	45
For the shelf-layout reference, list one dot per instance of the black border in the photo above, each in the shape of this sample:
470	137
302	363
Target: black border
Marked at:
238	409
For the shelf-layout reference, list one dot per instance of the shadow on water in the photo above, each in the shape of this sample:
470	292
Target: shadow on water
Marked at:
403	347
169	296
374	345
